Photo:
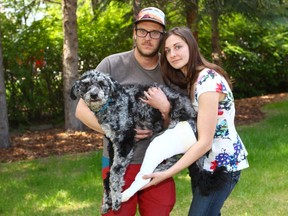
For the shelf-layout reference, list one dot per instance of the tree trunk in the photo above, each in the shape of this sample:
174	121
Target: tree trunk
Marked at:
191	10
215	40
4	126
94	4
136	8
70	62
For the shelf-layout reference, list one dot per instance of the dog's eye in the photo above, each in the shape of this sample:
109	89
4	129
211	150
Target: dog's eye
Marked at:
83	88
101	84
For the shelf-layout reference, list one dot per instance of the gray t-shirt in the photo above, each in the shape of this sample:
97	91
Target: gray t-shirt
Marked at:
124	68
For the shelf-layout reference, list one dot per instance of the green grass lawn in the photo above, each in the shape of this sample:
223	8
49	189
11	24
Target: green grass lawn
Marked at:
71	184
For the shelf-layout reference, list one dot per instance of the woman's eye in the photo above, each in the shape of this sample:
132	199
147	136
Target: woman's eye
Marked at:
177	47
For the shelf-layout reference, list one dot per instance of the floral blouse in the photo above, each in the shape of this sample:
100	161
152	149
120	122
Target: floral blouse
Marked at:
228	149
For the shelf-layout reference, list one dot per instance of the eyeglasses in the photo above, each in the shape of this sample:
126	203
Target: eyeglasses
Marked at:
153	34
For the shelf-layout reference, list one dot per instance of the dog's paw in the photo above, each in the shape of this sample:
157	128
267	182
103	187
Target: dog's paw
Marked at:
116	205
125	197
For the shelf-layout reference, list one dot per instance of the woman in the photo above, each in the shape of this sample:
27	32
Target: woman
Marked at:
218	156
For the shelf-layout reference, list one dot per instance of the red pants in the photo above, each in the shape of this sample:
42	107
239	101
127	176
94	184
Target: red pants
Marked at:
154	201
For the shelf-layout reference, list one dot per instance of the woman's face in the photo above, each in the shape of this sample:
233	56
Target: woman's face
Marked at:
177	52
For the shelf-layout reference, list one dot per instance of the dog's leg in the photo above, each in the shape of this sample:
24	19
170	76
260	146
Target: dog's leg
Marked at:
117	173
173	141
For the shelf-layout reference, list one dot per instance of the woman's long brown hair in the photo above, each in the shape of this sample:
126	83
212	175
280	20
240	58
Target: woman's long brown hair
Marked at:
195	65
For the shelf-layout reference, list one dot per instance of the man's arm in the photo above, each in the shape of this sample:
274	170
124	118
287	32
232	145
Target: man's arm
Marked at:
87	117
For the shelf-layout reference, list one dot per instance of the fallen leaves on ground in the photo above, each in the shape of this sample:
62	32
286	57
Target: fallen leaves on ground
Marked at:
55	141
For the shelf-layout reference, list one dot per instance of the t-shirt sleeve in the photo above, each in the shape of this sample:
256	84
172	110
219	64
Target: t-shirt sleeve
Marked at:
210	81
104	66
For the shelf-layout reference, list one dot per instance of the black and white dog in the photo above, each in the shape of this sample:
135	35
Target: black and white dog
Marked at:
119	111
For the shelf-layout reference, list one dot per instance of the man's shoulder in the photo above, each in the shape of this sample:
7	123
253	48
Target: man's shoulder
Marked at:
125	54
115	62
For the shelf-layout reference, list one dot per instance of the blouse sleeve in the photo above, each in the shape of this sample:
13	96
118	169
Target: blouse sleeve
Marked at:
210	81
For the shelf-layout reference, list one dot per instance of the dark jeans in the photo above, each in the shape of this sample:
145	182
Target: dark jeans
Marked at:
211	205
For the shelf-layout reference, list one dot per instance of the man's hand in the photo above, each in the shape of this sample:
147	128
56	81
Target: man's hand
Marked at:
142	134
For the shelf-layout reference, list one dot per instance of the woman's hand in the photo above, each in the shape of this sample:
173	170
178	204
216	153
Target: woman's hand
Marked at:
156	178
156	98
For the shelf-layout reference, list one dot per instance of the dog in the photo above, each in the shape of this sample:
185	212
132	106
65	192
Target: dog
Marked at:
119	111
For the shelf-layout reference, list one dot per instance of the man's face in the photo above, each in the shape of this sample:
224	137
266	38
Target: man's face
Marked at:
148	46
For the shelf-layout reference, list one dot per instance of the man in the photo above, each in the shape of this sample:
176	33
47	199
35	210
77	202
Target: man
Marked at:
137	66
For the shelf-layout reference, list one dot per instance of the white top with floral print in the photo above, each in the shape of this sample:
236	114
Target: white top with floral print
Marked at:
228	149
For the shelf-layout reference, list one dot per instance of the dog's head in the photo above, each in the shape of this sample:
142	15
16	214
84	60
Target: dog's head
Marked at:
95	88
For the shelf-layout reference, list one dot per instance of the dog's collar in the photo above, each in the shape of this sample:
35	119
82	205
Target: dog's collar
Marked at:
105	106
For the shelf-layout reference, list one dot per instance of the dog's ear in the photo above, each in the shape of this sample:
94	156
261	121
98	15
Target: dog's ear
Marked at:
85	78
73	93
115	85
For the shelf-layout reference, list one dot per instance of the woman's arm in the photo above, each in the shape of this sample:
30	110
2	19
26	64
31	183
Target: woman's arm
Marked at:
206	124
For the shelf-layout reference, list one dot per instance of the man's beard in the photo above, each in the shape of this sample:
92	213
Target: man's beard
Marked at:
150	54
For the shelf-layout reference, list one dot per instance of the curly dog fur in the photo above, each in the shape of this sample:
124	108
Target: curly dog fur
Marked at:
119	111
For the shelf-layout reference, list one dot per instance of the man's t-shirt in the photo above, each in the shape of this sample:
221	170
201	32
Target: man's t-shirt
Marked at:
124	68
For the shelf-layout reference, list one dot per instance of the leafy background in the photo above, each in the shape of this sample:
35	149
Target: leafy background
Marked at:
253	40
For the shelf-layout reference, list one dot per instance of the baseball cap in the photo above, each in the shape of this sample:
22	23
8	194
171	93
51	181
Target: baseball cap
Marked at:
151	14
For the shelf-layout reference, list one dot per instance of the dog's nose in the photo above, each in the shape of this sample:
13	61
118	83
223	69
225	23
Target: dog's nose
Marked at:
94	96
